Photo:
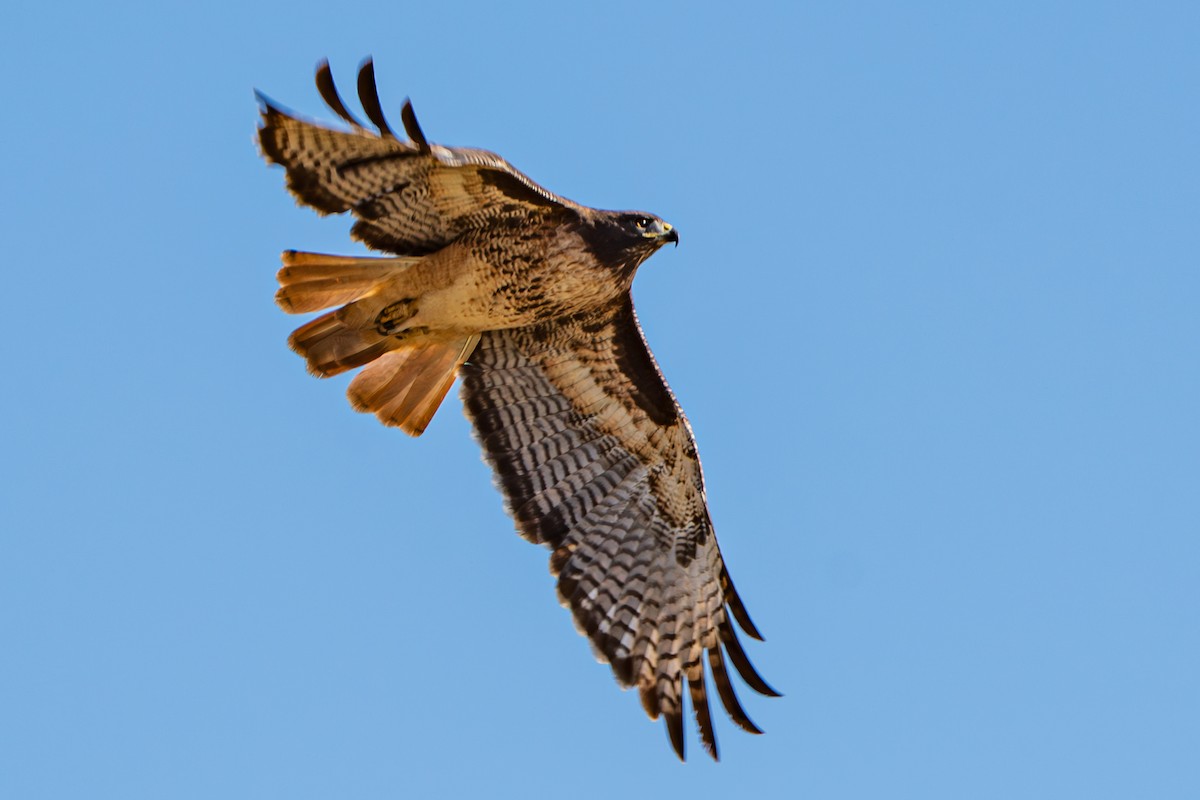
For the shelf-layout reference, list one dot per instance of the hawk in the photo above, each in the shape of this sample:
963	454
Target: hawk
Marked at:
526	295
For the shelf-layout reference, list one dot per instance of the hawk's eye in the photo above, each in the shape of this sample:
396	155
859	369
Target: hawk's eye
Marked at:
642	222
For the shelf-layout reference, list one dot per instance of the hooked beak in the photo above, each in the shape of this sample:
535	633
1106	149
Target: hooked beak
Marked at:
670	234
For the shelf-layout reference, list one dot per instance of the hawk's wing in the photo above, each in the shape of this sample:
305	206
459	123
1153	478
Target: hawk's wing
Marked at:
597	462
410	197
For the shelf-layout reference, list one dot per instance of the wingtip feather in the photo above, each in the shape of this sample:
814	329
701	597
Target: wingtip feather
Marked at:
701	710
368	95
413	128
674	722
737	607
729	700
329	93
742	664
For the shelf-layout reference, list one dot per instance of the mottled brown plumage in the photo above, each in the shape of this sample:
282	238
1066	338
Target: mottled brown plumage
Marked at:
527	296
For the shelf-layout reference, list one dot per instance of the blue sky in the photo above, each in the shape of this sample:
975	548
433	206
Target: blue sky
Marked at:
934	320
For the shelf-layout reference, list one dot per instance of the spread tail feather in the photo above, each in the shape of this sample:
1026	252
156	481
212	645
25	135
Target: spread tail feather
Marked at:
313	281
334	342
405	387
408	371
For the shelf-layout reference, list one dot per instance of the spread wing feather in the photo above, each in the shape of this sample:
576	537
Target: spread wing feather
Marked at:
597	462
410	197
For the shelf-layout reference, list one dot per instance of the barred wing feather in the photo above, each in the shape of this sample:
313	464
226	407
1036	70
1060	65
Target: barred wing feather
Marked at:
597	462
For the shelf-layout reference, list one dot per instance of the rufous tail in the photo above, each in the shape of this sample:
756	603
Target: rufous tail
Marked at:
405	387
407	373
313	281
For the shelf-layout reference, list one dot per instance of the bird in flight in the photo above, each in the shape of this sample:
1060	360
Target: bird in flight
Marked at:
525	295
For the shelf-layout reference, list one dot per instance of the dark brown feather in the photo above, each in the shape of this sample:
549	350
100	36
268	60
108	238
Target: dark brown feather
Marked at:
725	690
412	127
736	606
638	365
700	709
368	95
673	720
329	94
512	186
742	664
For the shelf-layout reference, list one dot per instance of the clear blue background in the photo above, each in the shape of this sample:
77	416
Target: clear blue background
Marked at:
934	319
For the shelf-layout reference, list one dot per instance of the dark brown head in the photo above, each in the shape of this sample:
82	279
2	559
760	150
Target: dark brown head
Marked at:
624	239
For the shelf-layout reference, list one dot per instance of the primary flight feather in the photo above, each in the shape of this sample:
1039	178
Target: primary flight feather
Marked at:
526	295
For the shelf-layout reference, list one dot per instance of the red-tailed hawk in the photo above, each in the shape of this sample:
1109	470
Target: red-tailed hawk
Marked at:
527	296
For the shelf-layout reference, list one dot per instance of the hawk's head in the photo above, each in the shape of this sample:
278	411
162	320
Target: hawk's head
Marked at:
648	229
624	239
